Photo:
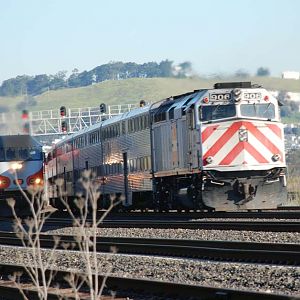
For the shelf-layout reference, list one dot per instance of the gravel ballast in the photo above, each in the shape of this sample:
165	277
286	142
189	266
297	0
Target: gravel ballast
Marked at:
253	277
193	234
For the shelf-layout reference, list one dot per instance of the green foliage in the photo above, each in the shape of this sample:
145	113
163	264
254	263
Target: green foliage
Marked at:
15	86
35	85
134	89
261	71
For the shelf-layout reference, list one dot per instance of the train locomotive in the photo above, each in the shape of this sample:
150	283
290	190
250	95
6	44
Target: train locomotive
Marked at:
216	149
21	166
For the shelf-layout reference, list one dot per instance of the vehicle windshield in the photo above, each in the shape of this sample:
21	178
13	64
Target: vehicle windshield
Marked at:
216	112
258	110
11	154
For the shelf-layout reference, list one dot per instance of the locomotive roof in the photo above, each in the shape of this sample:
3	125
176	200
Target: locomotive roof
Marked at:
15	141
164	104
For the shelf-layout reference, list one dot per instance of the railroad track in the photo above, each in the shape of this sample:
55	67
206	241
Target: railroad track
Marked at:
129	286
291	213
283	254
214	224
274	226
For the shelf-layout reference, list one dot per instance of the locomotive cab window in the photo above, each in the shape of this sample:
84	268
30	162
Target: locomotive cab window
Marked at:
216	112
258	110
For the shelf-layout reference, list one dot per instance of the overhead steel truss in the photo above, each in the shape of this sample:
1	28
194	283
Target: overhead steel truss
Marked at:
49	122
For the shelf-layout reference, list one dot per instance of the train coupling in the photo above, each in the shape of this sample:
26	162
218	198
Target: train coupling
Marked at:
245	189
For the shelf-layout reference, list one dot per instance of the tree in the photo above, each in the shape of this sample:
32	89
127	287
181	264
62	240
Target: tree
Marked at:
261	71
184	69
165	67
38	84
15	86
73	80
58	80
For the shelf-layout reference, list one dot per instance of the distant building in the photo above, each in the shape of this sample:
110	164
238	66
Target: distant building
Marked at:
290	75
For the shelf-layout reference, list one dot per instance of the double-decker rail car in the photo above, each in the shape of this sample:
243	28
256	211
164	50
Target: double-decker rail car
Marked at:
215	149
21	166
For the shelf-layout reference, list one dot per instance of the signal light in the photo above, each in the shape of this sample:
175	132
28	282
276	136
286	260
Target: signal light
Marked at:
102	108
63	111
64	126
205	100
266	98
25	114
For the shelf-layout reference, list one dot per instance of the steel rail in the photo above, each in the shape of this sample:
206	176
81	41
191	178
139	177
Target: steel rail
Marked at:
291	213
274	253
270	225
274	226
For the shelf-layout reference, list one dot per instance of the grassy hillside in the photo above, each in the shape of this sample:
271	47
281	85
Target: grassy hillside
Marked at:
133	90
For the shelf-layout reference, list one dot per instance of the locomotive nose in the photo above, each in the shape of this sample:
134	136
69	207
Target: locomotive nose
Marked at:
242	145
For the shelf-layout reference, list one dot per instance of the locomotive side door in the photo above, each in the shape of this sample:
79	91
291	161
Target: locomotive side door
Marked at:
193	140
175	159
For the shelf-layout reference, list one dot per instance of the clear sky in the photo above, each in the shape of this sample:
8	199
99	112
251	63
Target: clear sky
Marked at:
217	36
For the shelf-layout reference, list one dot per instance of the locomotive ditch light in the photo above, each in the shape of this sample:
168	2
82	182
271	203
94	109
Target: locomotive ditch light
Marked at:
16	166
37	180
4	182
276	157
209	159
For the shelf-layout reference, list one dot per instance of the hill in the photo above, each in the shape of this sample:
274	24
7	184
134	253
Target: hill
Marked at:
133	90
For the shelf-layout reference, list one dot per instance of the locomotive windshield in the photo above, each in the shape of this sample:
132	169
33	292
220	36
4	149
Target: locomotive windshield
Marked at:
216	112
258	110
11	154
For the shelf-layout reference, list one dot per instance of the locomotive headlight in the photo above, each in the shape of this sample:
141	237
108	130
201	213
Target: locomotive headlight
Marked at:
209	159
276	157
16	166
